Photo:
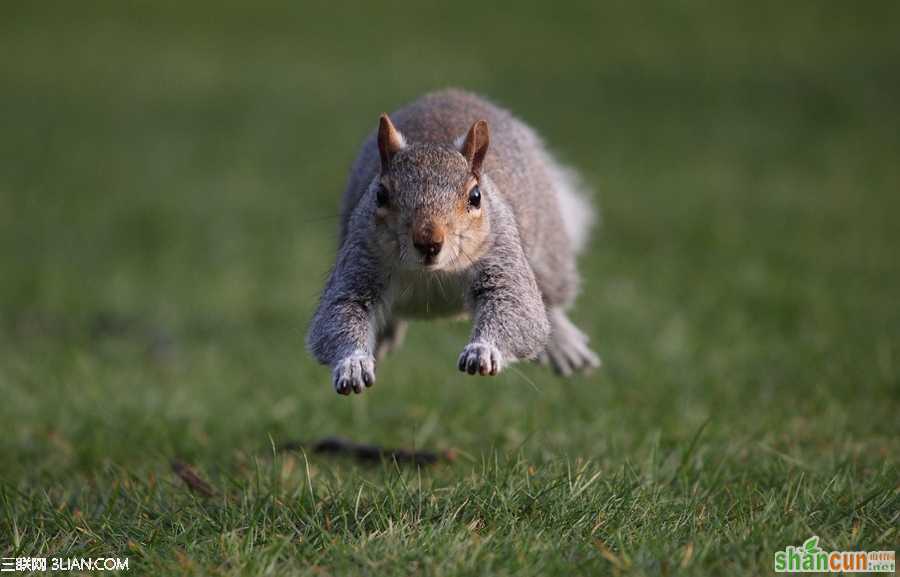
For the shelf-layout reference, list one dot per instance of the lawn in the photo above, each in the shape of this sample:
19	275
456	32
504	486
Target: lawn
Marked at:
169	185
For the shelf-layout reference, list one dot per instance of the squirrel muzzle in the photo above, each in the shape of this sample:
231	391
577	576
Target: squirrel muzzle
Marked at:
428	238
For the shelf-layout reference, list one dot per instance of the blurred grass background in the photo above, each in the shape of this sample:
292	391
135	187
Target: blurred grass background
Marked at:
169	181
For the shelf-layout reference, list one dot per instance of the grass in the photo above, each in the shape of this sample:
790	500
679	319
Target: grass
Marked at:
168	187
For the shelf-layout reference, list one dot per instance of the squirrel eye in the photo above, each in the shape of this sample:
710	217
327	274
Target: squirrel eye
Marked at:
475	197
381	197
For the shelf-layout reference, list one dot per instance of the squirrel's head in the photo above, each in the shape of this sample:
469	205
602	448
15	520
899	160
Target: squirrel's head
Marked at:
431	200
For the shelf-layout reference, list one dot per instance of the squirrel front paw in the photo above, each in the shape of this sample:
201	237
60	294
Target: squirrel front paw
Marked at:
354	373
482	358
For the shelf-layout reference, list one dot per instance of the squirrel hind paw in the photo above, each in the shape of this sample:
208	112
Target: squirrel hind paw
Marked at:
568	362
568	352
390	338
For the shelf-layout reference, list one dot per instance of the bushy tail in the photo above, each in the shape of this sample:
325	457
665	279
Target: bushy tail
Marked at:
578	213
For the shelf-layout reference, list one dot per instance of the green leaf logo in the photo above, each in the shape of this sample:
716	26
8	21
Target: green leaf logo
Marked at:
811	544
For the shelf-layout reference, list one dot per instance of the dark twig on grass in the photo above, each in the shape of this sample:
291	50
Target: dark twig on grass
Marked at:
371	453
192	479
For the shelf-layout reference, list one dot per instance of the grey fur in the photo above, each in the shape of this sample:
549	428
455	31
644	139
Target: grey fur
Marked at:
509	263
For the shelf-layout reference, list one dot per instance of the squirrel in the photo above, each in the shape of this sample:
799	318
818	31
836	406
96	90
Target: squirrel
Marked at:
453	206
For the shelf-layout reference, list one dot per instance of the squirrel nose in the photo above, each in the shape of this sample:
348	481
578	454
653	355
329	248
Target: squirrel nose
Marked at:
429	248
428	238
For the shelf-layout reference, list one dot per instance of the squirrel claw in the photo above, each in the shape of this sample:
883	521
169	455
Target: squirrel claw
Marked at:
354	374
481	358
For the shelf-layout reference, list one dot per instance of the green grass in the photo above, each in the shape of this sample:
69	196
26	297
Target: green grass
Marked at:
168	185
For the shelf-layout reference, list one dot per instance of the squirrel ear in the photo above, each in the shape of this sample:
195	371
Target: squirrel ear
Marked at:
389	141
475	146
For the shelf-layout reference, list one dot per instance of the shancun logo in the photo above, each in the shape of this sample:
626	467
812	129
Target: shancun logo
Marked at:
810	558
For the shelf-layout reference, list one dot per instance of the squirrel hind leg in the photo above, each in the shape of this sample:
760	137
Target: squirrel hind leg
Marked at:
567	351
389	338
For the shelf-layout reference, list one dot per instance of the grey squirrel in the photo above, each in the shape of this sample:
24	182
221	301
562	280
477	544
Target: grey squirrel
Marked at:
455	207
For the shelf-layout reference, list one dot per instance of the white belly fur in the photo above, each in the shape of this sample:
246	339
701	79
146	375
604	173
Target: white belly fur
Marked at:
425	294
